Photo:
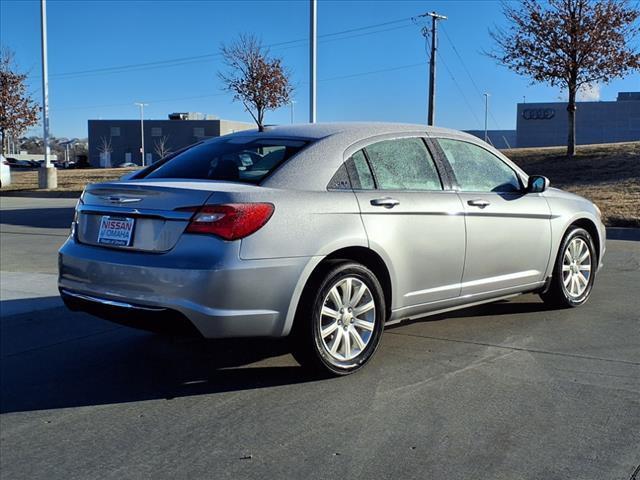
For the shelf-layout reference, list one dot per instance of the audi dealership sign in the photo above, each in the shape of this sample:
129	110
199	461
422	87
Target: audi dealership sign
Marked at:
538	113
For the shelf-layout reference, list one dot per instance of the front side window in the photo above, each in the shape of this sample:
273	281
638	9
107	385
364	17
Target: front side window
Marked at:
403	164
244	160
478	170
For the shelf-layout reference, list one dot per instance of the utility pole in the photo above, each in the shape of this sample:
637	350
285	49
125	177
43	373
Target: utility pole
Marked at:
47	174
432	62
313	51
142	105
486	116
292	103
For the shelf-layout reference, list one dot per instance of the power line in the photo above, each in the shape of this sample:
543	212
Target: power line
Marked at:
126	104
192	97
390	69
464	65
455	81
200	58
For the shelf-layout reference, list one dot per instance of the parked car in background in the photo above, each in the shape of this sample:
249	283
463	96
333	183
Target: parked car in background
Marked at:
128	165
64	164
325	233
5	172
14	163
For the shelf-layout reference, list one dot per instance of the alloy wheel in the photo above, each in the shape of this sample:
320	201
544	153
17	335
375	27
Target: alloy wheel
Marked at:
576	267
348	319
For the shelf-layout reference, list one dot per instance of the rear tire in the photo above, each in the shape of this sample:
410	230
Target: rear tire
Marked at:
574	271
340	320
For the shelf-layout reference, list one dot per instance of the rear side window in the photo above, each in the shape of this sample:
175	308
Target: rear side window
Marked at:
244	160
359	172
403	164
478	170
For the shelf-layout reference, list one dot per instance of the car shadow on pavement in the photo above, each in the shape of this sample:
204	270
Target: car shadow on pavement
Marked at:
57	359
58	217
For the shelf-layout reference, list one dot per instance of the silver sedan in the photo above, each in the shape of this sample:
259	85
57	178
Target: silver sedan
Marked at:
325	233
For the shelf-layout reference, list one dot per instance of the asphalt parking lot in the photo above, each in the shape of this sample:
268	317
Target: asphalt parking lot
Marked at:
505	391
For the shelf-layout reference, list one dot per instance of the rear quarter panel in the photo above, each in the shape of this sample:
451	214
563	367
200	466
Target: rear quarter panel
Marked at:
304	224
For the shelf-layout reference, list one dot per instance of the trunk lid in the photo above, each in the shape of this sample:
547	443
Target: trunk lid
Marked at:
158	210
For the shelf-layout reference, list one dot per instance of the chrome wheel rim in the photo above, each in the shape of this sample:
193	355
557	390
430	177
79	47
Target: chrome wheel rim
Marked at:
576	267
347	319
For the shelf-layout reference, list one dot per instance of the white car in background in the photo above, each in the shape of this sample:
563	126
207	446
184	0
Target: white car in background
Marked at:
5	172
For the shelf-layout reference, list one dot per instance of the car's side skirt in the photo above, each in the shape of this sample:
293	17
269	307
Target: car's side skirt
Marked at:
458	303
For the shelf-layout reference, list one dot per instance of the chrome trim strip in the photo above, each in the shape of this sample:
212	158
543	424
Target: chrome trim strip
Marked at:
475	283
111	303
451	309
112	209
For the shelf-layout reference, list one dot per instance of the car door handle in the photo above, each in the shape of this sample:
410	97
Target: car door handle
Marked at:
386	202
479	203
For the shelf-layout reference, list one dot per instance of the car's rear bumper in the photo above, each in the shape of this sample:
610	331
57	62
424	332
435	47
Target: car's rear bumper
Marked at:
155	319
219	294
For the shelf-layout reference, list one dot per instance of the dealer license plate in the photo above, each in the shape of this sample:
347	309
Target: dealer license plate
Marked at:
116	231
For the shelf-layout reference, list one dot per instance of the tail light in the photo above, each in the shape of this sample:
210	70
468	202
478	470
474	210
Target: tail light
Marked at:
230	221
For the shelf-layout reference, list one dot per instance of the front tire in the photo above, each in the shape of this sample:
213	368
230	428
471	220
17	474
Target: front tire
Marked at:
340	320
574	271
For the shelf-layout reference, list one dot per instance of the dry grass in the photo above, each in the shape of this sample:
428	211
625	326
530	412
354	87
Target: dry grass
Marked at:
607	174
68	180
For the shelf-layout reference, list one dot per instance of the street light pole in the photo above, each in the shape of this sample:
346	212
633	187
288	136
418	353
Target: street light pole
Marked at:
313	51
142	105
486	116
47	174
292	103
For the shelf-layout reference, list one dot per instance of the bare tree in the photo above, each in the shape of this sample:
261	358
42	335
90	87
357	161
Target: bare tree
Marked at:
259	81
161	147
105	149
17	109
105	145
568	43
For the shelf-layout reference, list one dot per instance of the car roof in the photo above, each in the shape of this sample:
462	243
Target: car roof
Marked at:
348	131
330	142
313	167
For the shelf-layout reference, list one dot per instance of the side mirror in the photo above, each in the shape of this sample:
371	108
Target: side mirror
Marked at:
537	184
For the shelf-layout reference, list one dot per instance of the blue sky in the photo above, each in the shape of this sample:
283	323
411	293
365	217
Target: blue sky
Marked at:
369	74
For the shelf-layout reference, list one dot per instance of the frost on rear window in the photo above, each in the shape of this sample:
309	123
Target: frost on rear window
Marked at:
238	159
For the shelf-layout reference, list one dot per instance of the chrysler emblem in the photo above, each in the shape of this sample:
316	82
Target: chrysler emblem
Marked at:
118	199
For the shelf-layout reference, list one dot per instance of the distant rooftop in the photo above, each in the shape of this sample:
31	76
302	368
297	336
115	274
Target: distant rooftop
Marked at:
191	116
628	96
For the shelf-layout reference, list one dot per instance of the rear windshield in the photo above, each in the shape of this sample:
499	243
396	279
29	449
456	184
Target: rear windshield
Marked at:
238	159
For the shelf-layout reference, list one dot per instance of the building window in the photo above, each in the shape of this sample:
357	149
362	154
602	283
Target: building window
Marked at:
115	131
156	132
198	132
